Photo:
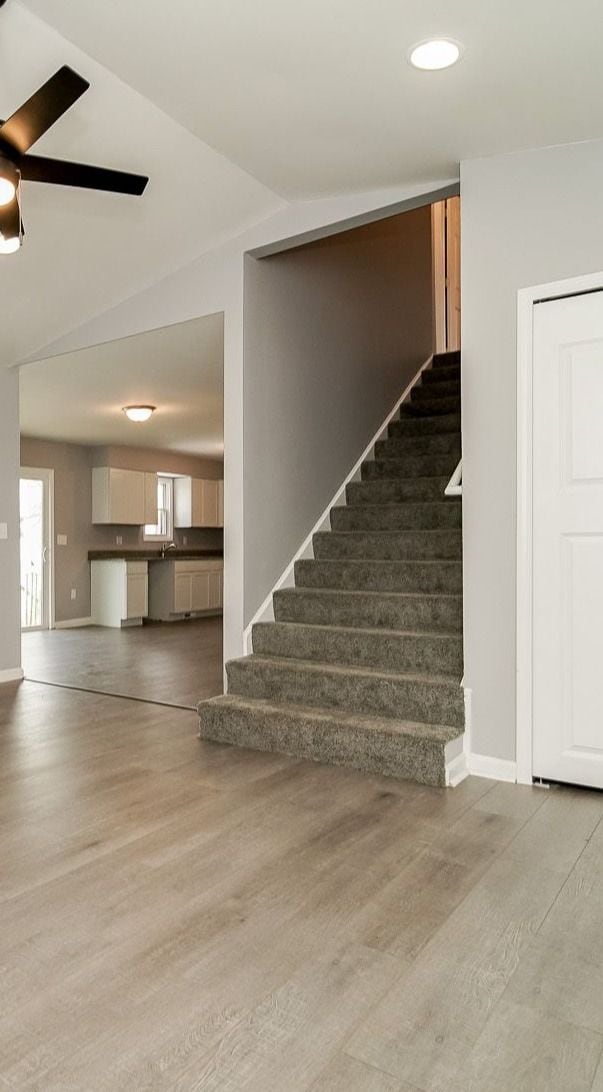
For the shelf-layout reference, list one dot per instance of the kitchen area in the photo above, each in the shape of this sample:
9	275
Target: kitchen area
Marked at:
175	583
122	516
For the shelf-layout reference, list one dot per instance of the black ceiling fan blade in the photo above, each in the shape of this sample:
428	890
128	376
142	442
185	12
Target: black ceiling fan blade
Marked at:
46	106
36	168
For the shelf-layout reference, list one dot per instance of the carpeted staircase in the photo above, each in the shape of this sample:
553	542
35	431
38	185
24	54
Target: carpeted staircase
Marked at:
363	663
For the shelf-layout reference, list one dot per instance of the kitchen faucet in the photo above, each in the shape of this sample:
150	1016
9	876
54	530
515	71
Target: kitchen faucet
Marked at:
167	546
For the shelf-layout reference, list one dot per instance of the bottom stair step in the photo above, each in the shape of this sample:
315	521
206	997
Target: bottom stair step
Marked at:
375	745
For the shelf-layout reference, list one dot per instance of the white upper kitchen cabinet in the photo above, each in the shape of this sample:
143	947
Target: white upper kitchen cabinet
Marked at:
151	514
126	497
196	503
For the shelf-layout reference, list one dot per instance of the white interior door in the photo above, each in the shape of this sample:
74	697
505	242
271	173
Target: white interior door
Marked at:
35	527
568	540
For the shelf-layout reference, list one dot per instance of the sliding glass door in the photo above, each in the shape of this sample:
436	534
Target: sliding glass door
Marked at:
35	490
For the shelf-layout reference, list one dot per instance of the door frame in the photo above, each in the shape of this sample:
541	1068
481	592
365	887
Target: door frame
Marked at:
527	298
46	475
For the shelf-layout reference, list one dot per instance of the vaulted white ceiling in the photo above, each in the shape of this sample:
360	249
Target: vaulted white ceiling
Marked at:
235	108
79	397
316	96
85	251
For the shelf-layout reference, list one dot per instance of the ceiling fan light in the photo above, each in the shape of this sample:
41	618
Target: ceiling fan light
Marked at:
139	413
10	245
11	227
9	181
7	190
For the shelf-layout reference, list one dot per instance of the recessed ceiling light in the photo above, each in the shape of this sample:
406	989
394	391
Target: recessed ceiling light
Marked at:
434	54
139	413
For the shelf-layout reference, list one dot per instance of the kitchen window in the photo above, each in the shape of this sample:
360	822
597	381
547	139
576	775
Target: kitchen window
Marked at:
163	530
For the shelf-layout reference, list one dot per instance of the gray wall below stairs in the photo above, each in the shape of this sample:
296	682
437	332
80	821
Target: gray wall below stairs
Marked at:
527	219
333	332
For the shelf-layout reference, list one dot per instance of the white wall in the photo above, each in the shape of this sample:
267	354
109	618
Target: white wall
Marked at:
215	283
527	219
10	627
333	332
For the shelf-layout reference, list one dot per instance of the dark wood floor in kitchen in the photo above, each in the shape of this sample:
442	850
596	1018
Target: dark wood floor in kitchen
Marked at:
175	662
185	915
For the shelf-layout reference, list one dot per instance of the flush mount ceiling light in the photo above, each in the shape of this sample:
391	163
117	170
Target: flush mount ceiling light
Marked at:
434	54
139	413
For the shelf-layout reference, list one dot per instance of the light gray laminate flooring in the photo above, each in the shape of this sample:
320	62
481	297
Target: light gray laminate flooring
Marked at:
183	915
175	662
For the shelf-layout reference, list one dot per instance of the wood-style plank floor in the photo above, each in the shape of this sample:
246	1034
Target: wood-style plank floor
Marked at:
182	915
175	662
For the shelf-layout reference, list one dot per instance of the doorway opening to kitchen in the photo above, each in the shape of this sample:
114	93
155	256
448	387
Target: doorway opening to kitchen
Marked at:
122	518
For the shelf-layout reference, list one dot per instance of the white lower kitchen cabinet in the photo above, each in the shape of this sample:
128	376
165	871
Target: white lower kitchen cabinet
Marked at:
119	592
179	589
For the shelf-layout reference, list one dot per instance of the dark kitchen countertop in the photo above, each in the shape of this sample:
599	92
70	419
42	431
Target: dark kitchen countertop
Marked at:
183	554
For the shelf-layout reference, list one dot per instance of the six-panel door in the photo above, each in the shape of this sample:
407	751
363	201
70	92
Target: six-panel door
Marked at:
568	540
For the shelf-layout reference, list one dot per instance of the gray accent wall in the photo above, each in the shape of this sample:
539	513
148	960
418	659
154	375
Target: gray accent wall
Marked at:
527	219
72	465
10	630
333	332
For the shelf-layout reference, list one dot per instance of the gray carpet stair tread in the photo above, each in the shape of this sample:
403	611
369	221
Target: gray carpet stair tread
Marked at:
441	681
437	634
395	596
440	733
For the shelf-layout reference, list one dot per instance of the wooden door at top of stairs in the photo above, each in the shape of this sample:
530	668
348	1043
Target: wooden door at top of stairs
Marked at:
567	491
453	273
446	265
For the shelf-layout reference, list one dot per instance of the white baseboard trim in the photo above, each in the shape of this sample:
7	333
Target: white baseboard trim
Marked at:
499	769
265	612
456	770
74	623
11	674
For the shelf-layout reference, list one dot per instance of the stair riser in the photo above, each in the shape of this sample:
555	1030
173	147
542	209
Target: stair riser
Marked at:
445	359
445	373
403	446
397	517
430	407
425	702
404	653
303	737
432	577
390	546
423	466
396	491
425	426
429	391
430	614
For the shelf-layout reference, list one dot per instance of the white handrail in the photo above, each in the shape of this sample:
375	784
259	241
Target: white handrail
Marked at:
455	485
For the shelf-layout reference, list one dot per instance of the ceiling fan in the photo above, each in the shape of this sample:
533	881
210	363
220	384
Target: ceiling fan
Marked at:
17	135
